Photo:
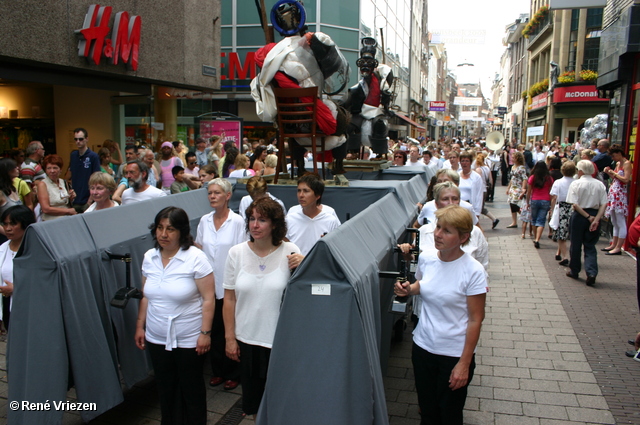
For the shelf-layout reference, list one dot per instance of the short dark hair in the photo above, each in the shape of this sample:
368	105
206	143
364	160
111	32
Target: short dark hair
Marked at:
315	183
175	170
427	152
19	214
616	149
189	155
272	210
179	219
131	147
86	134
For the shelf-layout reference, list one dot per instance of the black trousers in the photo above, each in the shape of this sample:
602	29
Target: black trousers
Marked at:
254	363
183	396
581	236
221	365
494	176
438	404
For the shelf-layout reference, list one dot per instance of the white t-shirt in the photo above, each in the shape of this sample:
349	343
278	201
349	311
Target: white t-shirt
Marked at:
304	231
418	163
258	284
246	201
478	247
217	243
560	188
444	288
6	271
92	207
130	196
174	311
429	212
471	190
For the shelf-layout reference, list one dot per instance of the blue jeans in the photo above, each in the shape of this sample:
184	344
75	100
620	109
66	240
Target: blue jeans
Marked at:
539	211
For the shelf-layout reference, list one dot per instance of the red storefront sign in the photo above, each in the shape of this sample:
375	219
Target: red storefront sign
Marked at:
237	71
124	43
438	106
539	101
577	94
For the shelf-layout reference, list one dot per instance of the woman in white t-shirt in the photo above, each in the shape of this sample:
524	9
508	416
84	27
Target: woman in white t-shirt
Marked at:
175	315
256	275
14	221
561	210
452	286
218	232
101	187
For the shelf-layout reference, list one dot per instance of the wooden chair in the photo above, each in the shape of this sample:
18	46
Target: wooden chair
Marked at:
297	118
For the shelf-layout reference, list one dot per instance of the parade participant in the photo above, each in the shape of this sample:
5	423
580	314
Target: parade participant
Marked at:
101	187
139	190
471	186
256	274
428	210
14	222
369	101
257	188
452	286
589	199
83	163
310	220
303	59
399	158
53	196
618	202
218	231
175	316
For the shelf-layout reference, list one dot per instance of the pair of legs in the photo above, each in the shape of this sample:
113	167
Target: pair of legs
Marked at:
515	209
254	363
581	236
619	222
183	397
539	211
438	404
222	367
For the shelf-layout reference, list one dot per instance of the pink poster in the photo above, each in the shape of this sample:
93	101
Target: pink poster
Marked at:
227	130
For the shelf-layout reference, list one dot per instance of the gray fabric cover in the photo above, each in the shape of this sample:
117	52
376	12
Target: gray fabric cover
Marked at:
325	364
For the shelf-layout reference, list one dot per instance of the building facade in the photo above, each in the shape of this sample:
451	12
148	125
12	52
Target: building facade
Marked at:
119	70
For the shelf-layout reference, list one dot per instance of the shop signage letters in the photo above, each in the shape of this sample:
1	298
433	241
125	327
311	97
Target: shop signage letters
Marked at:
236	70
539	101
438	106
124	43
577	94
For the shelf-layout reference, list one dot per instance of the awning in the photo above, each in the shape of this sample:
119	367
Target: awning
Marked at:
409	120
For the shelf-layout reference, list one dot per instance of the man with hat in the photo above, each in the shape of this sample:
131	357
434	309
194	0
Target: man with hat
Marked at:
201	152
168	161
369	101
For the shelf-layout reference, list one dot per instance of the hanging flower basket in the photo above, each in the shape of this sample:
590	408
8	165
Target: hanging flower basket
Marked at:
588	75
537	19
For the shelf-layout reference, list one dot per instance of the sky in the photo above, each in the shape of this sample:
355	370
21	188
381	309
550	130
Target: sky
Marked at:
473	31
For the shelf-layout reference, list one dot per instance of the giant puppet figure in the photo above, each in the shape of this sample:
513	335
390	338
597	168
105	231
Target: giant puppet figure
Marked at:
303	59
369	101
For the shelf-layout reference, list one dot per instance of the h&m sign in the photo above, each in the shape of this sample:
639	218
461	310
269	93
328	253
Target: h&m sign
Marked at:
124	43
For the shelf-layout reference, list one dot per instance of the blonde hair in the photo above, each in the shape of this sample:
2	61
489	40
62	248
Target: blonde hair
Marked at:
241	162
271	160
103	179
256	187
458	217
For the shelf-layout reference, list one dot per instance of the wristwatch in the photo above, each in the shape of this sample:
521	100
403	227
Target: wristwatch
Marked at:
205	333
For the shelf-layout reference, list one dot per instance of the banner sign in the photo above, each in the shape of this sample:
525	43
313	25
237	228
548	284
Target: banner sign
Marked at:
577	94
467	101
439	106
226	129
535	131
539	101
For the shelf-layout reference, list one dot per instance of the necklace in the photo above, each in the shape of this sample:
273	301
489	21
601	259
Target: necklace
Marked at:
262	261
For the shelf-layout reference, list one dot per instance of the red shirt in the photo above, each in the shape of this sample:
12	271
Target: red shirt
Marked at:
633	233
541	193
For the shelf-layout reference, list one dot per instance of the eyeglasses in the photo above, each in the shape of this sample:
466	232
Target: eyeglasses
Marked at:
398	156
191	163
78	139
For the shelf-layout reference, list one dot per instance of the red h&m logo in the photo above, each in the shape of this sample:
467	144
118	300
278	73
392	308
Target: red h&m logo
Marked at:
125	38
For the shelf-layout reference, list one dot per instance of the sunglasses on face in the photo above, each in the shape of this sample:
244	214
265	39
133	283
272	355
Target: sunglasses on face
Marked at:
78	139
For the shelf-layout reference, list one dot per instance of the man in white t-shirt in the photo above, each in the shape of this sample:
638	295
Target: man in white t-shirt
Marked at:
139	190
310	220
414	158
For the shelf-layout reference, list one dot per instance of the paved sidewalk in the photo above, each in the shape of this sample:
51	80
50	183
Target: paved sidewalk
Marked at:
551	350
